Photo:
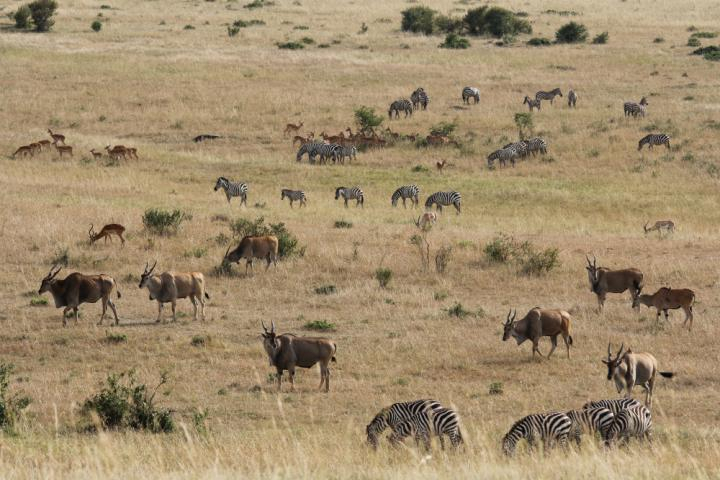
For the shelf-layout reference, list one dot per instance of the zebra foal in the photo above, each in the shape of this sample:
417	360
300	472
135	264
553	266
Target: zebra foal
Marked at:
551	428
294	196
632	422
396	414
470	92
238	189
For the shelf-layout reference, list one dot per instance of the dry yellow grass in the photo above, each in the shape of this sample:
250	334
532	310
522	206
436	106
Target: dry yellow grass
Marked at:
145	81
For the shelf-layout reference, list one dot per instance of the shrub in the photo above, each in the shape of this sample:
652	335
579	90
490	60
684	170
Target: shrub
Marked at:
705	50
288	244
343	224
693	42
420	169
539	42
200	340
524	122
447	24
418	20
383	276
307	40
11	405
42	12
61	257
601	38
38	301
320	325
704	35
258	4
325	290
163	222
713	56
572	32
22	17
501	249
505	249
96	26
189	27
115	338
301	27
291	46
367	119
455	41
495	21
458	311
496	388
443	128
539	263
658	40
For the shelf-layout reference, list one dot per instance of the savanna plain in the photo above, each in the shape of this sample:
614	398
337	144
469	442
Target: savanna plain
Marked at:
148	81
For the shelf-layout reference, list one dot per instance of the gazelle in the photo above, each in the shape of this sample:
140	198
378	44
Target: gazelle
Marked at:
56	137
24	151
95	154
667	225
426	220
106	232
293	128
63	149
116	152
43	144
302	140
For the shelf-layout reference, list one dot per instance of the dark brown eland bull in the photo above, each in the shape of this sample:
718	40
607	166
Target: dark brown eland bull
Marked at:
669	299
628	369
250	248
168	287
77	288
604	281
538	323
288	351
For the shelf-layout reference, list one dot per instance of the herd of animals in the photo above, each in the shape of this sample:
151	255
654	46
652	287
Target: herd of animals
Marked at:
612	419
58	141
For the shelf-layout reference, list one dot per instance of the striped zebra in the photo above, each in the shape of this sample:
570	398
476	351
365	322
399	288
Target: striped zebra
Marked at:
532	103
349	194
596	419
635	109
535	145
406	191
294	196
395	414
572	98
309	149
503	155
548	95
398	106
327	150
521	148
654	139
443	199
419	99
438	422
632	422
615	405
238	189
349	152
470	92
549	427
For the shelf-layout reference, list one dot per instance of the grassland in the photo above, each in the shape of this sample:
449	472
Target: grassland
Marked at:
145	80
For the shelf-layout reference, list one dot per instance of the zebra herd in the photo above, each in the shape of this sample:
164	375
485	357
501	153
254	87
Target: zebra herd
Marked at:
333	151
515	150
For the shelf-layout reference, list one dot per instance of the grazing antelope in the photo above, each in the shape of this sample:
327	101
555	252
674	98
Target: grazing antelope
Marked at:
539	323
659	226
288	351
437	140
251	248
95	154
604	281
132	151
35	147
628	369
25	151
168	287
669	299
44	144
76	289
116	152
63	149
292	128
106	232
425	220
205	136
56	137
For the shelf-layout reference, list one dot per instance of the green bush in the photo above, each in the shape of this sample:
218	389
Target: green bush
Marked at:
367	119
11	405
343	224
163	222
446	24
539	263
418	19
458	311
601	38
22	17
539	42
320	325
713	56
443	128
455	41
572	32
290	46
383	276
96	26
495	21
704	34
325	290
705	50
258	4
115	338
496	388
38	301
420	168
232	30
200	340
42	12
658	40
506	249
288	244
307	40
501	249
693	42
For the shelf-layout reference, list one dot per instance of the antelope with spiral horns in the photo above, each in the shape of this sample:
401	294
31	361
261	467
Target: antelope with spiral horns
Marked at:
628	369
604	281
168	287
539	323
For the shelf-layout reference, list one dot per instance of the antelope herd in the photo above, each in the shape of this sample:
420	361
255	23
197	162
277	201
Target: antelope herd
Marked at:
58	142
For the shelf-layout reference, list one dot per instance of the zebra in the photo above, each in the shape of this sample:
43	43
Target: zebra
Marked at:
572	98
632	422
419	99
294	195
396	414
441	199
532	103
398	106
548	95
635	109
549	427
470	92
440	422
654	139
615	405
535	145
238	189
591	420
349	152
503	156
521	148
325	151
406	191
350	194
310	149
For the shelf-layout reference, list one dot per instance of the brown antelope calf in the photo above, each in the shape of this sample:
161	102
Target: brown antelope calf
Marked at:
659	226
106	232
539	323
56	137
669	299
25	151
95	154
332	138
292	128
63	149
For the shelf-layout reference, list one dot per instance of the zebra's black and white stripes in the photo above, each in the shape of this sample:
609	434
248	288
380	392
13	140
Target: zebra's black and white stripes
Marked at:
532	103
231	189
635	109
615	405
294	196
572	98
551	428
352	193
535	145
443	199
548	95
470	92
635	421
406	191
309	149
654	139
402	105
349	152
591	420
419	99
440	422
396	414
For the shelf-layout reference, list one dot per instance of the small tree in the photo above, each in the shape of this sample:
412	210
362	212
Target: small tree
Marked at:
96	26
601	38
524	123
42	12
366	118
418	20
22	17
455	41
572	32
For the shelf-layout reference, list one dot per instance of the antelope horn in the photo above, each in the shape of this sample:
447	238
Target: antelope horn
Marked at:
620	351
90	232
54	271
588	260
507	320
594	261
609	353
273	326
264	327
153	267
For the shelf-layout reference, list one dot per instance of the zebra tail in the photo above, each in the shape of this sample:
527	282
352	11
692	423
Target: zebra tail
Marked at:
667	374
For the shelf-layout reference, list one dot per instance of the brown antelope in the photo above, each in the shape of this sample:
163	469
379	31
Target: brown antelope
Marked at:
44	144
25	151
302	140
332	138
669	299
36	148
95	154
251	248
116	152
425	220
76	289
292	128
56	137
168	287
132	151
539	323
106	232
288	351
604	281
63	149
628	369
667	225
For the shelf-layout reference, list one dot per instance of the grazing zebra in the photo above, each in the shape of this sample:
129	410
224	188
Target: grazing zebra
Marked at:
470	92
632	422
503	156
310	149
654	139
548	95
615	405
532	103
350	194
294	195
238	189
596	419
349	152
398	106
635	109
328	150
549	427
406	191
419	98
572	98
440	422
535	145
521	148
396	414
443	199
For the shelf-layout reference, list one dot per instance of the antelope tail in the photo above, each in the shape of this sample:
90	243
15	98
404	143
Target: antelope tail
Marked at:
333	357
667	374
570	340
118	293
207	295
